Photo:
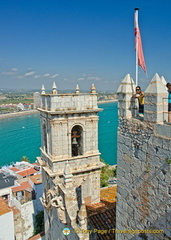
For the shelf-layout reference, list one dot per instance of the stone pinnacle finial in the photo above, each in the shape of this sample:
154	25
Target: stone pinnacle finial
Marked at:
68	177
127	85
93	88
77	90
163	80
67	169
82	216
155	105
156	85
43	89
54	89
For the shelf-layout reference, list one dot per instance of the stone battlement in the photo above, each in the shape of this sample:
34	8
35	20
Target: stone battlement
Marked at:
155	106
76	102
69	102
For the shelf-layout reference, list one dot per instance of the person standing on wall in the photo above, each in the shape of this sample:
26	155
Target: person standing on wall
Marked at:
168	85
140	95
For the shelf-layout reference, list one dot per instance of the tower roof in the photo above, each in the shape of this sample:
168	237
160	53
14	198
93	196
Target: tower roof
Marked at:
127	85
156	85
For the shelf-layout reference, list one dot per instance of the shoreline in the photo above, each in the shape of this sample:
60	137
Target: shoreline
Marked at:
107	101
23	113
18	114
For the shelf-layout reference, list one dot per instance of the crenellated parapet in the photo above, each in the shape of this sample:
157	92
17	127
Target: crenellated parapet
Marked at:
126	104
77	101
155	106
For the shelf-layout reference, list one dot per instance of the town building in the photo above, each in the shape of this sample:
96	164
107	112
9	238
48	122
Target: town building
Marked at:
37	99
21	187
6	182
6	221
25	196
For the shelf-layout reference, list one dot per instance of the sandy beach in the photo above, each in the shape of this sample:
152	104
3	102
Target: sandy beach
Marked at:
17	114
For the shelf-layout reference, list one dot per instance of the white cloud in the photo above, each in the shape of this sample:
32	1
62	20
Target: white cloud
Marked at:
20	77
54	76
94	78
29	74
14	69
80	79
8	73
46	75
37	76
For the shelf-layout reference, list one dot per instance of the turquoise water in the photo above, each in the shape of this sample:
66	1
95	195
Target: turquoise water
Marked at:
20	136
107	132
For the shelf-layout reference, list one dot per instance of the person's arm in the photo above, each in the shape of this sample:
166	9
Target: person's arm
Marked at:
141	95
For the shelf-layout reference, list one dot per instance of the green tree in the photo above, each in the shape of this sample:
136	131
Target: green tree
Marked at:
106	174
25	159
39	223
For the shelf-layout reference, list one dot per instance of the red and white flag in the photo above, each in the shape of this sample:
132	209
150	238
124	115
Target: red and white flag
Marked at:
138	44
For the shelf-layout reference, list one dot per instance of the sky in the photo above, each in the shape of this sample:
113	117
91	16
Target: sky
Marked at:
81	42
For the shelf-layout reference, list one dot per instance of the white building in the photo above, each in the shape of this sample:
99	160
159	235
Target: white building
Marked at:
6	221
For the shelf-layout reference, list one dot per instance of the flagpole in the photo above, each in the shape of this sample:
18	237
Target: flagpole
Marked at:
136	71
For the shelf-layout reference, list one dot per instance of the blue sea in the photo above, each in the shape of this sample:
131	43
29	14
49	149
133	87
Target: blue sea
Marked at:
20	136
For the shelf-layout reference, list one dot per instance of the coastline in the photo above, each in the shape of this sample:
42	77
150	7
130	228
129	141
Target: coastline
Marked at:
22	113
107	101
17	114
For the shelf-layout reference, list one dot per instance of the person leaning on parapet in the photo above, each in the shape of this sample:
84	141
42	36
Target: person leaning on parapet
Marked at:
140	95
168	85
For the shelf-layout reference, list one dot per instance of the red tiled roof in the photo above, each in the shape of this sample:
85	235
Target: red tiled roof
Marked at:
37	236
35	163
96	206
4	207
36	179
102	215
23	186
105	220
27	172
14	169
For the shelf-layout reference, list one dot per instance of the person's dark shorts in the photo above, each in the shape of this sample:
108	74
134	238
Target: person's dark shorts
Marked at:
141	108
169	107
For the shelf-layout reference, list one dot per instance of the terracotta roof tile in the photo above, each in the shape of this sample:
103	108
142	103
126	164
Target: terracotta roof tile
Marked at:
4	208
14	169
35	163
37	236
23	186
36	179
102	216
27	172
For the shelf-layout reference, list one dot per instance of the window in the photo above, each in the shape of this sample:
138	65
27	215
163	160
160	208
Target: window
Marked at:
6	180
77	141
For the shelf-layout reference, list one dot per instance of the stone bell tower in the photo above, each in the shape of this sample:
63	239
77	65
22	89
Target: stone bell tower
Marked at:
70	160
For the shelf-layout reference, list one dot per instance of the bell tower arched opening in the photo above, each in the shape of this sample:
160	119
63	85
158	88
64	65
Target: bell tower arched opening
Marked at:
77	141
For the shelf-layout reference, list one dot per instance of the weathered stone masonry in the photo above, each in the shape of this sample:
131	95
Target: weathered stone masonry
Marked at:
144	168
